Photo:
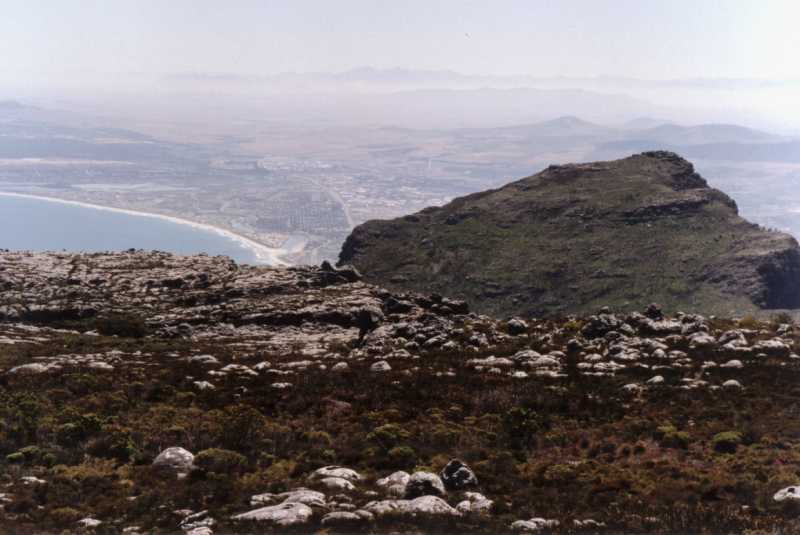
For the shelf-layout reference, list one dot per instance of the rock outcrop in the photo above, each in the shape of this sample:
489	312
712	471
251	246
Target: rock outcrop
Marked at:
575	237
306	396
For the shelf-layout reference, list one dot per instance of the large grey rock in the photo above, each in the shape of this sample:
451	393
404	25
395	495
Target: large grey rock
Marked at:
534	524
475	503
600	325
284	515
395	484
516	326
380	366
345	519
456	476
733	338
175	458
774	347
337	483
788	493
32	369
701	340
421	506
336	471
89	523
311	498
424	484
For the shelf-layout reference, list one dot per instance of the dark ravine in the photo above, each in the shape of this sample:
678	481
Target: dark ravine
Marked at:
576	237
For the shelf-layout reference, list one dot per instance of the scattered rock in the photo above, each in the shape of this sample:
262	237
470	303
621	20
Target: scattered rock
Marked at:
380	366
773	348
516	326
337	483
456	476
32	368
337	472
89	522
283	515
343	519
424	484
423	505
395	484
175	458
788	493
475	503
534	524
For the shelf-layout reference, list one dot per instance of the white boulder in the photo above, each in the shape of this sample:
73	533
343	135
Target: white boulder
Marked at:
395	484
424	484
534	524
789	493
424	505
336	471
475	503
33	368
89	522
380	366
175	458
284	515
337	483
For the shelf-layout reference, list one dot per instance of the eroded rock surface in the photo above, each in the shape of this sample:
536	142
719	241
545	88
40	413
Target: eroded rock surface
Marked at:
109	362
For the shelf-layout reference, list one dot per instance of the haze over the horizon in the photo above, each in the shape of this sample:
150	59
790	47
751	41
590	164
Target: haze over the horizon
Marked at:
137	47
657	40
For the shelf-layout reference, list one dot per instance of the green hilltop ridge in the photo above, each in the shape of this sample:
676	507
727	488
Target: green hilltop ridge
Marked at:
576	237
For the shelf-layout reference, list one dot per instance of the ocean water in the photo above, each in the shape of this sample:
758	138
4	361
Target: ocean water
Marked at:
40	225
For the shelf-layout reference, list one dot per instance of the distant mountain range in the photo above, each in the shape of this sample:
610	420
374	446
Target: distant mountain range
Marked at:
449	78
771	104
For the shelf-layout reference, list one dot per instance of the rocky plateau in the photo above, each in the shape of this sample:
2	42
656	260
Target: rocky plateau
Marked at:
142	392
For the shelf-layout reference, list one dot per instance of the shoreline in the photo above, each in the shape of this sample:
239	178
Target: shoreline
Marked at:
264	255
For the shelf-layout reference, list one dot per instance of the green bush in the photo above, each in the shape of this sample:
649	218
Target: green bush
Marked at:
669	437
113	442
64	516
78	429
220	461
560	473
402	457
123	326
726	442
521	426
387	436
15	457
28	454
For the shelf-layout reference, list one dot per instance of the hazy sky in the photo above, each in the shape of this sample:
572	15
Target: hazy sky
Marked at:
46	40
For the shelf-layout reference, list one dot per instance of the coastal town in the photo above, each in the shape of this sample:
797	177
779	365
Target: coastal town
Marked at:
292	198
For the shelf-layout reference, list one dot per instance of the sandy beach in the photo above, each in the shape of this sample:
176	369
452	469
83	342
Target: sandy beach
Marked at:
264	254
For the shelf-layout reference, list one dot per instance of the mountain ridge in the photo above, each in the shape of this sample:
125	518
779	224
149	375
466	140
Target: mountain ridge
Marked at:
577	236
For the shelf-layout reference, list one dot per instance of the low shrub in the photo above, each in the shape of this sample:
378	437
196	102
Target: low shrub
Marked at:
669	437
726	442
220	461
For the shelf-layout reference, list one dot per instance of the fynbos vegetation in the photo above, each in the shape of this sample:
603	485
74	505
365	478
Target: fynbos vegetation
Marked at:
265	400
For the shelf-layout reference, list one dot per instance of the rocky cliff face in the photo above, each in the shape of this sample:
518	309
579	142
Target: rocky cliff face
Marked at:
142	293
575	237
